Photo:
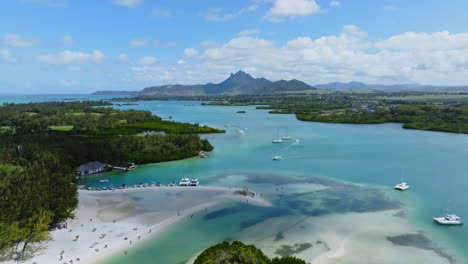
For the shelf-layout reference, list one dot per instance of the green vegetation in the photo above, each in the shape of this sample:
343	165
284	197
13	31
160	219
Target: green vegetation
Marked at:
239	253
419	111
41	144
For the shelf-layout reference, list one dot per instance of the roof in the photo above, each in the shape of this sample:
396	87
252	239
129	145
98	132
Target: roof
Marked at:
91	166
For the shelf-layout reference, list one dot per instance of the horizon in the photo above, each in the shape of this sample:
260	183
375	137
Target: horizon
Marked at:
48	47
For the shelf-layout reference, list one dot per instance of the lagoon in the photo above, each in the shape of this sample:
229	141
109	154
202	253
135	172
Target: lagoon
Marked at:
332	192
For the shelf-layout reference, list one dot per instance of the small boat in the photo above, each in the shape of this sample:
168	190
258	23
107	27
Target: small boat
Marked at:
402	186
449	219
297	140
286	138
105	180
104	188
194	182
202	155
278	140
172	184
158	184
184	182
277	158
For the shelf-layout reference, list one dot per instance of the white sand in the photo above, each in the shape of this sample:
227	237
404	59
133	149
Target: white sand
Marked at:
134	219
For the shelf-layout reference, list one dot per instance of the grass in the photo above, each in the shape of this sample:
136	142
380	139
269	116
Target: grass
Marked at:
61	128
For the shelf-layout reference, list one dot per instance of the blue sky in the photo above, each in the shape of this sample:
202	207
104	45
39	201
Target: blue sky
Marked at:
71	46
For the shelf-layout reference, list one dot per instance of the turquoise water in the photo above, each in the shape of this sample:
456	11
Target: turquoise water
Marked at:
28	98
361	163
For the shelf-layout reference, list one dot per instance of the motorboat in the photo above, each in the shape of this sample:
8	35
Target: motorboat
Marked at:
184	182
402	186
278	140
287	138
194	182
297	140
449	219
103	181
277	158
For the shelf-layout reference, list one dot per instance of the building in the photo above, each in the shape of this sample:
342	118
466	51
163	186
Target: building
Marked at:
90	168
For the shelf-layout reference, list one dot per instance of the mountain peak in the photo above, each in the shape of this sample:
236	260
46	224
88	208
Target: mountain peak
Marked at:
241	75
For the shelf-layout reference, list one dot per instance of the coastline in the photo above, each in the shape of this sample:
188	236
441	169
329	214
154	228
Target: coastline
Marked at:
123	216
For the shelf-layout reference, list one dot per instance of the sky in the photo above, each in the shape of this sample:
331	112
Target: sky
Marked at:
80	46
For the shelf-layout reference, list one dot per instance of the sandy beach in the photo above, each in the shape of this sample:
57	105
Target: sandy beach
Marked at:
112	222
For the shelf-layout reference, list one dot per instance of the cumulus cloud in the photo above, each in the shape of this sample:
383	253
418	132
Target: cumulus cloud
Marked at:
283	9
17	41
123	57
428	58
335	4
67	39
216	14
159	12
146	60
128	3
5	55
71	57
248	32
190	52
138	42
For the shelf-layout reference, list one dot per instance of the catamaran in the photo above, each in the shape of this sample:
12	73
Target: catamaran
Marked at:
184	182
449	219
194	182
402	186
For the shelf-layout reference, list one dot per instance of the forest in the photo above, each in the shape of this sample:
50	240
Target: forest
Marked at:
237	253
41	144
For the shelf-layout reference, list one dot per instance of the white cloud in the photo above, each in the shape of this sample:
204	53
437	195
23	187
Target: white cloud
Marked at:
17	41
128	3
49	3
123	57
181	62
291	8
138	42
335	3
216	14
190	52
5	55
67	39
71	57
158	12
439	58
248	32
209	44
146	60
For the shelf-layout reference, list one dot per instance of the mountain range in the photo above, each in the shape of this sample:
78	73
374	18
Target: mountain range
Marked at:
242	83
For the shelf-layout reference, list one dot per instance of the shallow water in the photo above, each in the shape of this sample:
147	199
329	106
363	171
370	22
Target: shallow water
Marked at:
337	172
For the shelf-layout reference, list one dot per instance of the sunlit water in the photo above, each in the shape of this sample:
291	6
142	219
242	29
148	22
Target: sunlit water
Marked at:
359	164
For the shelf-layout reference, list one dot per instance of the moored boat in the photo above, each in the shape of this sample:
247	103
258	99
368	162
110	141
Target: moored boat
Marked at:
402	186
194	182
449	219
184	182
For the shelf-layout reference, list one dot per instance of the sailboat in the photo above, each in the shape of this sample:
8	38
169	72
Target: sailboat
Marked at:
403	186
287	137
278	139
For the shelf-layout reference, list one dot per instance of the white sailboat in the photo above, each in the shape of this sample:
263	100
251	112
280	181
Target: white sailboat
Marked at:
277	139
287	137
403	186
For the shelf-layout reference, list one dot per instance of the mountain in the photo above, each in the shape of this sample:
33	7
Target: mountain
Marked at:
236	84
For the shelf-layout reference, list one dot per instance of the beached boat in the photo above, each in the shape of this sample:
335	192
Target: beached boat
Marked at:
402	186
277	158
102	181
449	219
184	182
194	182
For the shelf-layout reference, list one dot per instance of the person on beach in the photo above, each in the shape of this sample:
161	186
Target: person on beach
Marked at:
149	231
125	252
138	237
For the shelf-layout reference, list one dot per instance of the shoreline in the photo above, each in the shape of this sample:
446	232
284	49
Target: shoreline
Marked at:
109	223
